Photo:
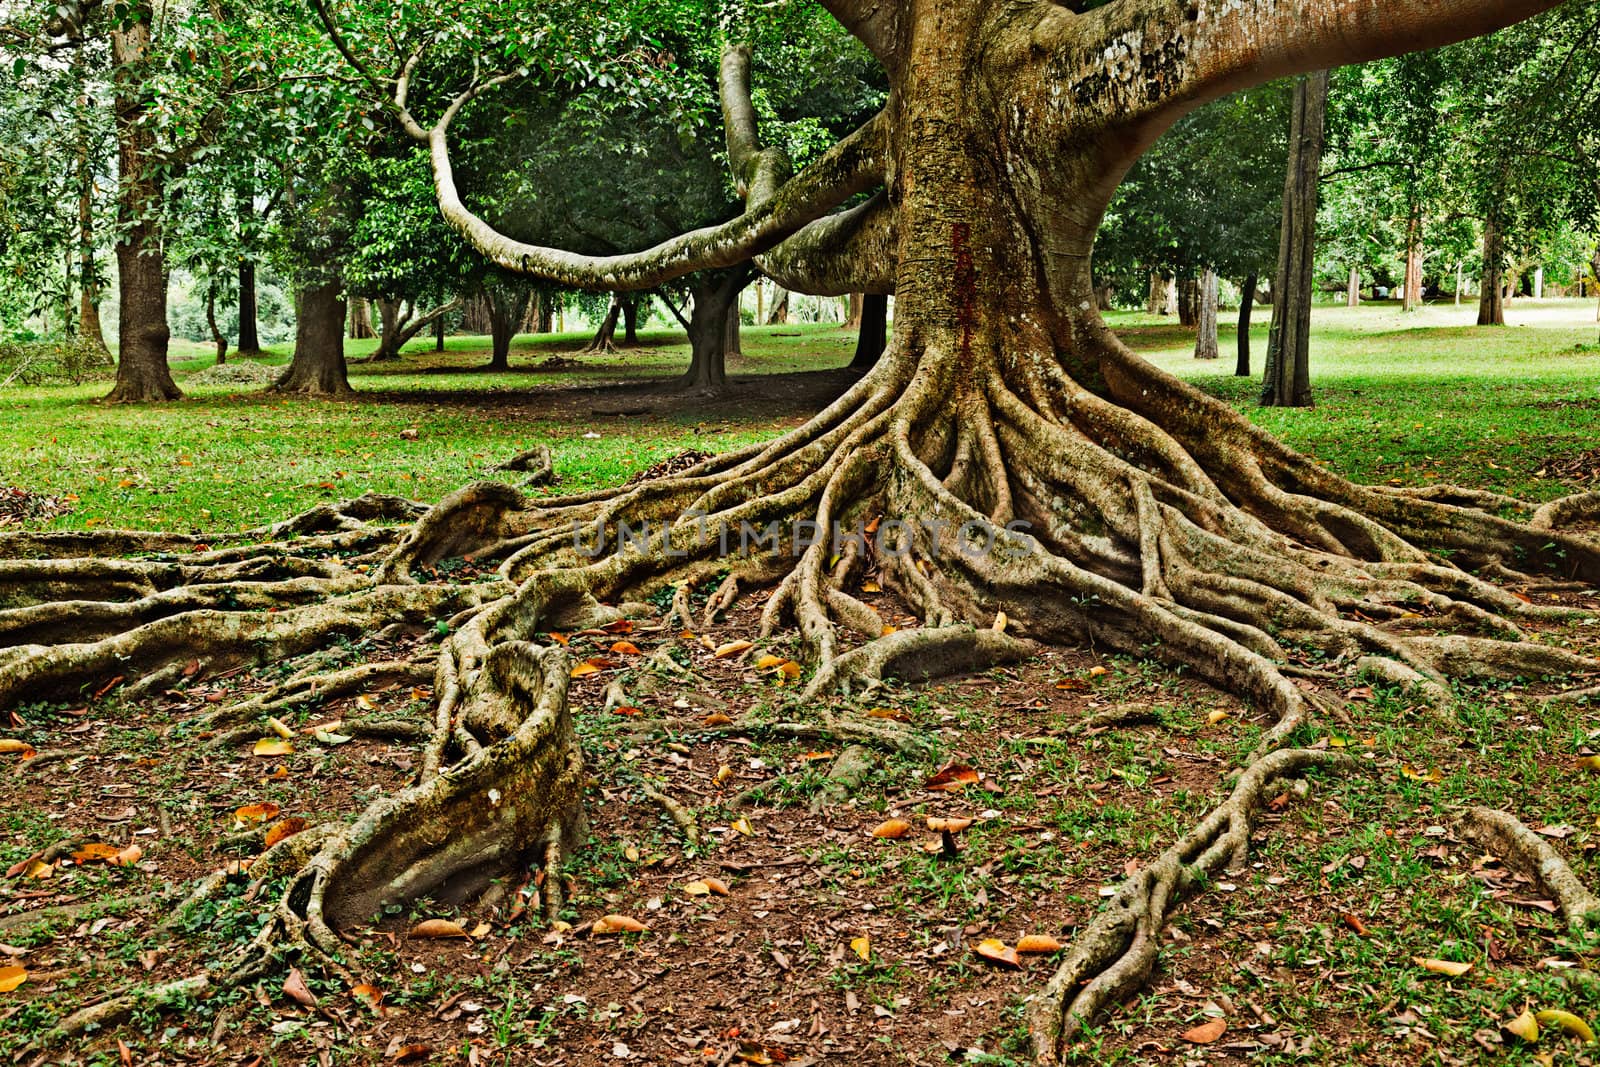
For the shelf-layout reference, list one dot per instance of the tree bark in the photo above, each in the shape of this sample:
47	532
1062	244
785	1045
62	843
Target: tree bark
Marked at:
1247	297
1288	375
1352	288
715	295
142	331
361	319
217	337
1491	303
732	342
88	278
853	319
1411	288
631	304
389	325
249	309
438	334
874	335
779	316
1205	342
507	304
604	339
1188	300
318	366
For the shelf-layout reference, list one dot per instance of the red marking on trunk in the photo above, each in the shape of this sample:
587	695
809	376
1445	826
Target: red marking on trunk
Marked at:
966	283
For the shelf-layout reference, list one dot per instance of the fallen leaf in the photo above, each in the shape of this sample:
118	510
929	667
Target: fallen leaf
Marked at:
1408	771
124	1053
1206	1032
371	996
999	624
732	648
1354	922
1565	1021
560	639
281	728
257	813
768	661
861	946
284	829
625	648
38	869
951	777
716	718
1096	671
128	856
585	669
742	825
697	889
1216	717
1451	967
95	852
414	1052
12	977
891	828
437	928
788	671
10	746
870	586
1587	763
295	988
999	953
723	776
717	886
1524	1027
328	737
481	930
888	713
1072	684
273	746
954	825
618	924
1040	943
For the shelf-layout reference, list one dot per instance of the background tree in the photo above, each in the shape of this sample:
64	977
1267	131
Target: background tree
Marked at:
1287	381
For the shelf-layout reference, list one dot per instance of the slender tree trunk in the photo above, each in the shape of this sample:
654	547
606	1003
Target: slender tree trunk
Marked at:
1102	297
438	334
1352	289
631	305
1156	299
507	305
780	309
88	281
249	307
1411	289
217	337
389	326
853	319
1491	303
1288	376
715	294
318	367
1188	300
1247	297
604	339
547	316
1205	342
874	335
361	319
761	297
1459	283
142	332
732	343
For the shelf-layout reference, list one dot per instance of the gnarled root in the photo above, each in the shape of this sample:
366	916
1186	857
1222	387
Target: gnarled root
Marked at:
1505	836
1116	952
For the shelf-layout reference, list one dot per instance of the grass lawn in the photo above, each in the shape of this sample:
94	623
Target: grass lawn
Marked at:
1408	398
832	945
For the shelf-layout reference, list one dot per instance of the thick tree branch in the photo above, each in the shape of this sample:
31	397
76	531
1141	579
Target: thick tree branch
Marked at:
875	23
849	252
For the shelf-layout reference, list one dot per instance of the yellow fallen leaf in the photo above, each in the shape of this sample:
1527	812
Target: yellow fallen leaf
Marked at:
481	930
788	671
38	869
1524	1027
742	825
95	852
697	889
251	814
999	624
281	728
584	669
1097	670
1451	967
1588	763
768	661
731	648
618	924
11	977
128	856
367	703
1216	717
861	946
892	828
1567	1022
10	746
273	746
1040	943
996	951
870	586
1434	775
437	928
723	775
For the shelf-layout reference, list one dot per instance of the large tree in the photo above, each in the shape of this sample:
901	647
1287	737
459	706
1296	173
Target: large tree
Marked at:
1101	498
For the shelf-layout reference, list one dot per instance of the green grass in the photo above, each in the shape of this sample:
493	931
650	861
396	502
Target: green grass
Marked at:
1406	398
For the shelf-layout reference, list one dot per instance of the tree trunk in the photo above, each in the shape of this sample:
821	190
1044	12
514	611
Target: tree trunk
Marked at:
438	334
1288	375
631	304
1459	282
361	319
1205	342
604	339
88	280
389	325
217	337
1411	287
1247	297
507	305
318	367
853	319
715	295
1102	297
1491	303
249	310
547	314
1538	283
1352	289
1188	300
780	309
142	332
732	343
874	335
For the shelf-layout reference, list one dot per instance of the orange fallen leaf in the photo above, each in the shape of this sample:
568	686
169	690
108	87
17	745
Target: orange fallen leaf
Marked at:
284	829
1072	684
732	648
1206	1032
1040	943
862	946
273	746
999	953
10	746
619	626
12	977
891	828
371	996
295	988
584	669
437	928
560	639
255	813
1353	921
128	856
870	586
717	886
625	709
618	924
888	713
411	1053
716	718
951	777
768	661
625	648
96	852
1452	968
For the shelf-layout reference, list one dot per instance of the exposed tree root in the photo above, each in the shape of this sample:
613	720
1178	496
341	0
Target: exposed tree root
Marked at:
1505	836
682	817
1115	954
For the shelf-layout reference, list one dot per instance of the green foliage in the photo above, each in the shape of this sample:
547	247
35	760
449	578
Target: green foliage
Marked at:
52	362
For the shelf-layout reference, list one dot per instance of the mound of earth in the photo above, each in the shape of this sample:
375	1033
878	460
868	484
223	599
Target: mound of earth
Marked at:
237	374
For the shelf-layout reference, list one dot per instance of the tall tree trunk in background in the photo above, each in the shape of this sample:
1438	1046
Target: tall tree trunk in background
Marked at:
1157	295
853	319
1288	375
714	294
1188	299
604	339
732	343
361	319
249	309
1205	342
780	309
318	367
1538	282
217	337
388	331
1411	288
1352	289
507	305
547	314
1247	297
1102	297
874	335
631	303
1459	283
142	332
438	334
88	282
1491	305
